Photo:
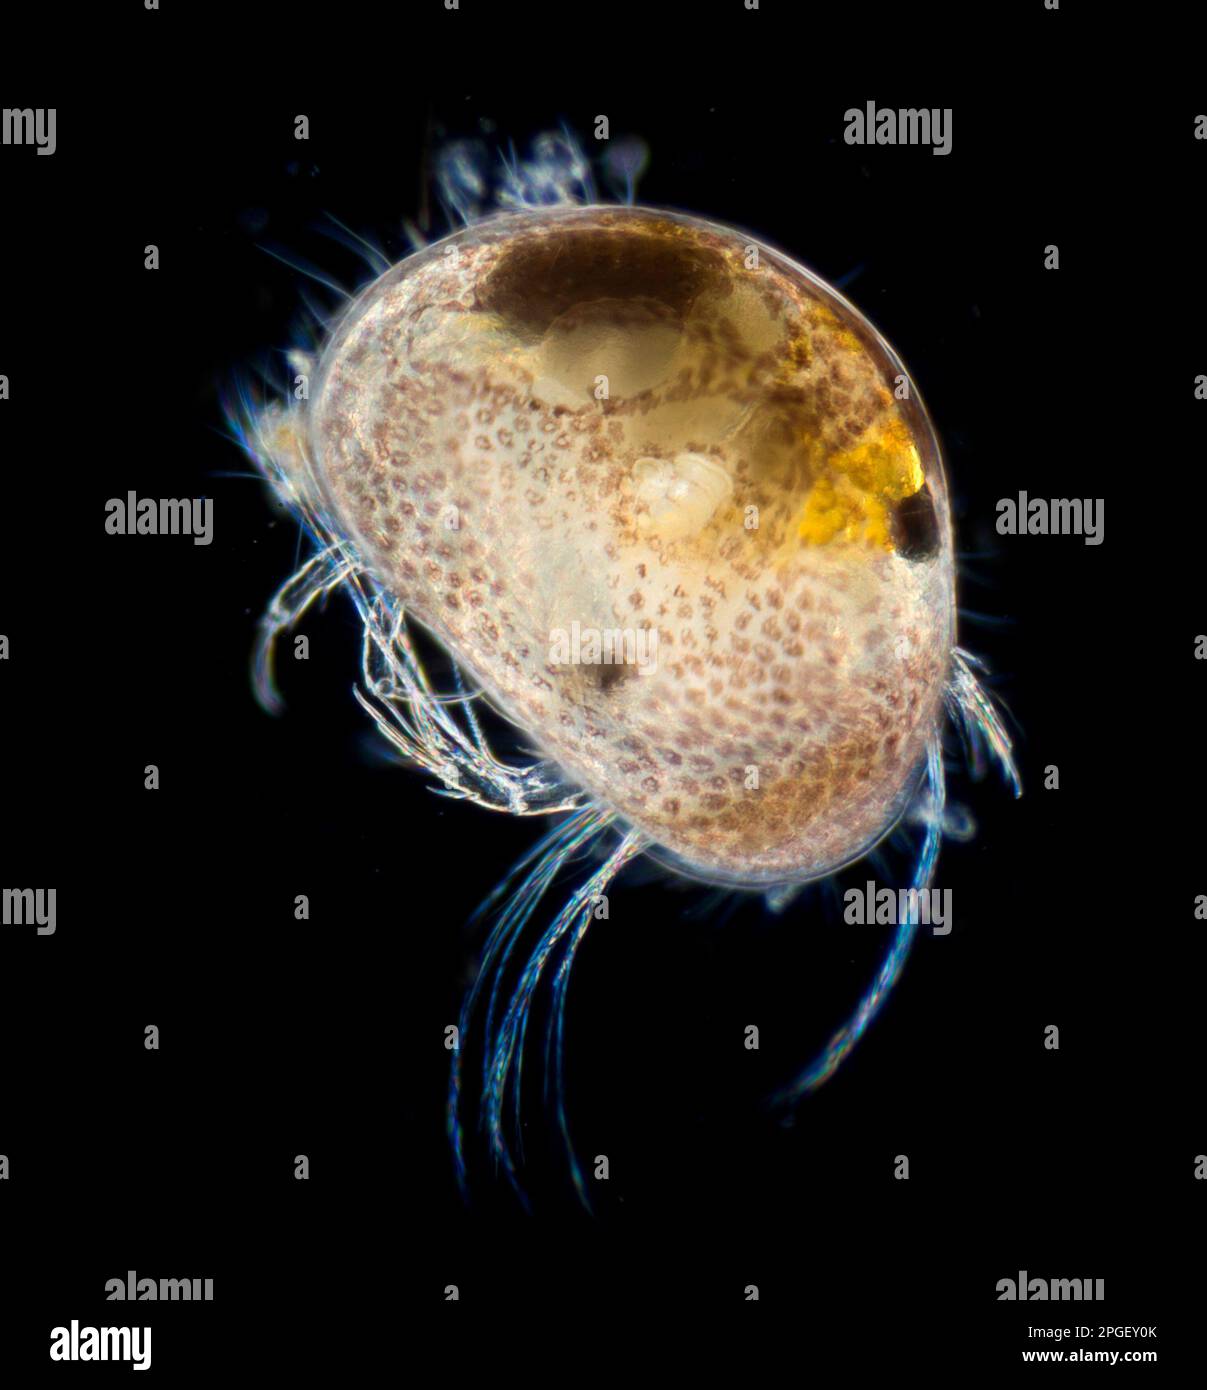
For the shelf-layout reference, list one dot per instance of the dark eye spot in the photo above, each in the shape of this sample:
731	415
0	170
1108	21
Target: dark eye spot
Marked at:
915	526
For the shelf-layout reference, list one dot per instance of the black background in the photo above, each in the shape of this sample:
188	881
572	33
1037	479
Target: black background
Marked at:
1073	907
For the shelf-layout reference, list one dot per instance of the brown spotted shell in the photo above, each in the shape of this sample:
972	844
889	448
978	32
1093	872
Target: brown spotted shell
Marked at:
621	421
